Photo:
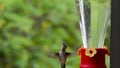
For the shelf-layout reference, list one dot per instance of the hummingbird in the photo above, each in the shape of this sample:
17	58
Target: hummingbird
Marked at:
62	55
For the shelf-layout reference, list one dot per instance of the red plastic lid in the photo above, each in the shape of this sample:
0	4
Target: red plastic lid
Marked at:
96	61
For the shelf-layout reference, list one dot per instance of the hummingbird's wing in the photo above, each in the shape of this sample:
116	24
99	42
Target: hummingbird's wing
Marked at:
57	54
70	54
53	55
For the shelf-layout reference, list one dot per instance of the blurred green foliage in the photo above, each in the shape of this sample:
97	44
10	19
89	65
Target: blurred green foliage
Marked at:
29	29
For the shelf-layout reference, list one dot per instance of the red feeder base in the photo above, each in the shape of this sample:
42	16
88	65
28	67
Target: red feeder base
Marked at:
97	61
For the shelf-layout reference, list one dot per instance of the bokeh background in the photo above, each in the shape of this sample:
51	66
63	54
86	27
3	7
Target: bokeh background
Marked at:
30	29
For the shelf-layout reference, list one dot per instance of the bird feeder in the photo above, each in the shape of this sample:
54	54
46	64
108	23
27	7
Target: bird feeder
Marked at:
94	19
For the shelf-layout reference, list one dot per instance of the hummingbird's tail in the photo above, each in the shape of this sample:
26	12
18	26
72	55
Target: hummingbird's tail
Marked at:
62	65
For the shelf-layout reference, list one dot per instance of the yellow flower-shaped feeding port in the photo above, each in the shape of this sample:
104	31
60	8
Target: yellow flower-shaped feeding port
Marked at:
91	51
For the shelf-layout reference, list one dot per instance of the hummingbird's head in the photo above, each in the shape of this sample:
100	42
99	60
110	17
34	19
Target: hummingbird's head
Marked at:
64	46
